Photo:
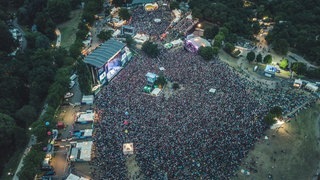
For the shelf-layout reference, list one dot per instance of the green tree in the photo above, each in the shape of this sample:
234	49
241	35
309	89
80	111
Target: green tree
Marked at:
267	59
42	41
59	10
161	81
251	56
105	35
7	44
269	119
174	5
276	111
211	32
124	14
218	40
129	41
215	51
229	48
299	68
12	137
84	77
118	3
25	116
259	58
206	53
283	63
151	49
75	49
281	46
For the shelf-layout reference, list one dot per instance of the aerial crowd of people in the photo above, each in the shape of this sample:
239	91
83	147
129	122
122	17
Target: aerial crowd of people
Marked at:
192	132
144	21
185	133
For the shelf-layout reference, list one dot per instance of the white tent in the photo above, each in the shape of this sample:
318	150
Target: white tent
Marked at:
312	87
212	90
127	148
85	117
177	42
72	177
74	154
85	150
87	99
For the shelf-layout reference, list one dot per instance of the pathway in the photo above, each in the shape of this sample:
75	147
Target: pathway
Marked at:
58	33
32	141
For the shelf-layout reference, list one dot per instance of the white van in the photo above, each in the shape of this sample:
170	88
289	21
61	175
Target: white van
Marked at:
72	83
73	77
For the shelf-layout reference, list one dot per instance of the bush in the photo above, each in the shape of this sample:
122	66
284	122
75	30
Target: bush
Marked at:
175	86
283	64
267	59
206	53
150	49
269	119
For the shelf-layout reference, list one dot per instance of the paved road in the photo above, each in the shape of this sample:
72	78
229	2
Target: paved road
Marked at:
32	141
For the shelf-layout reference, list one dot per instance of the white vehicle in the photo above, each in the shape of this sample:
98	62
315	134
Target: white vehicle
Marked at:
68	95
72	83
73	77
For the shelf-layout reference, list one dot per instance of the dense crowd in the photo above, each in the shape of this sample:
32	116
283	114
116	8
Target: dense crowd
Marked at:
192	133
185	133
144	21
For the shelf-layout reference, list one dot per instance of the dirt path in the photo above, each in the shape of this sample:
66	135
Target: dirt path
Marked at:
290	152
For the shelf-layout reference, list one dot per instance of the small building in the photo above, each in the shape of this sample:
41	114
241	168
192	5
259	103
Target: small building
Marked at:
151	78
81	151
85	118
270	71
128	30
87	99
297	83
312	87
128	148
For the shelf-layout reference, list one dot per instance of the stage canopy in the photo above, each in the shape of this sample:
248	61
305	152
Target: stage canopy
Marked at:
198	41
102	54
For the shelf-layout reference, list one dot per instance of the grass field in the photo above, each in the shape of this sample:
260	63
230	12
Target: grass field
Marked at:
291	152
69	28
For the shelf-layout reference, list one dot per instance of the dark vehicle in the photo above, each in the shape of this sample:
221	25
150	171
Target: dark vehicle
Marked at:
50	173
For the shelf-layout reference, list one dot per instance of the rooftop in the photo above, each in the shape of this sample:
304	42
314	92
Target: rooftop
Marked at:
104	53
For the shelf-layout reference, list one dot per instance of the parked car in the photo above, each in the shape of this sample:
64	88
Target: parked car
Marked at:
68	95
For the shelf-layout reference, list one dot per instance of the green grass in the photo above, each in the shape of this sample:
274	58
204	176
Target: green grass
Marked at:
12	164
68	29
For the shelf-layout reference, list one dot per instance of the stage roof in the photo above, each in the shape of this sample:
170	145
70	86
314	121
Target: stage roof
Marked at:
198	41
102	54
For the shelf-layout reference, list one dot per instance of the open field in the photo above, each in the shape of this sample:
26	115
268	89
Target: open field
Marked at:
69	28
291	152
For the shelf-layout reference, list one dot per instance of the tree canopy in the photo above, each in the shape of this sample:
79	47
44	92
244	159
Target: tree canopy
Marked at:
251	56
267	59
151	49
124	14
206	53
284	64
